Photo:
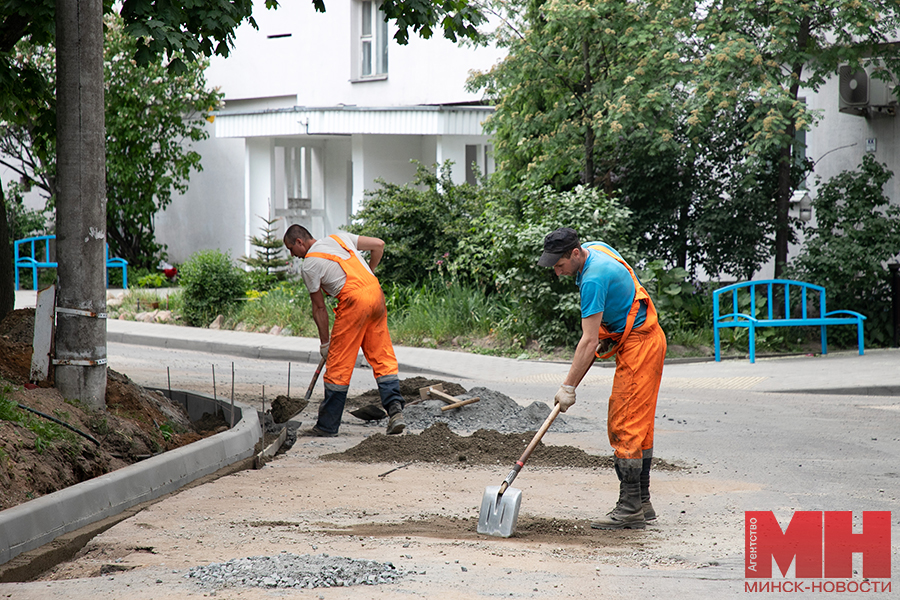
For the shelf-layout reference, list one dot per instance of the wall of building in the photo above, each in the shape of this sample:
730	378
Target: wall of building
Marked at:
211	213
315	63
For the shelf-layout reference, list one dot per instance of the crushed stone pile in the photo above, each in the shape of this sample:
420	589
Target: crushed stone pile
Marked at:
288	570
494	410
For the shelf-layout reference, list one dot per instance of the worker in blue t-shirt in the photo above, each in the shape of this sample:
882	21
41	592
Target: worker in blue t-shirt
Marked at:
615	311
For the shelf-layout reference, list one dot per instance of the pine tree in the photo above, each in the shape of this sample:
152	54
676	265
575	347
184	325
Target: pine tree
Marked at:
269	265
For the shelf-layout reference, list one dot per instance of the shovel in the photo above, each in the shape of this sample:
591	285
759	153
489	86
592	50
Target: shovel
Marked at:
500	504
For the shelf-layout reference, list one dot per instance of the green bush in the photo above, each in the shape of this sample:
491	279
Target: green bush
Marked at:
421	222
152	280
211	285
857	232
501	250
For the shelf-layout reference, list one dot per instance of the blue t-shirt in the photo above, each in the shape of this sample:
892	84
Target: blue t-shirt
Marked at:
606	286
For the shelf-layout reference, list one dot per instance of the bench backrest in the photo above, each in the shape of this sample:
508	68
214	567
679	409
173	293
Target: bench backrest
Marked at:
33	245
806	297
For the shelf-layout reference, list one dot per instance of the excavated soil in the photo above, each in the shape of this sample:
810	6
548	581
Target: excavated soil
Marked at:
438	444
136	425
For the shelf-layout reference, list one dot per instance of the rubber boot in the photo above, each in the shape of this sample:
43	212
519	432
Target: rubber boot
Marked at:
392	401
331	410
649	513
628	513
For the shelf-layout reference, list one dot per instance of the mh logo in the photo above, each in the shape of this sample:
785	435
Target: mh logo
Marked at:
821	543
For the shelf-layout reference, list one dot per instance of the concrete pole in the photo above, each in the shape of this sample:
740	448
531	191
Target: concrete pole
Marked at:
81	204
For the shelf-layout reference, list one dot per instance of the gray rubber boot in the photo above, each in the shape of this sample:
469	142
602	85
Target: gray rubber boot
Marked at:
628	513
649	513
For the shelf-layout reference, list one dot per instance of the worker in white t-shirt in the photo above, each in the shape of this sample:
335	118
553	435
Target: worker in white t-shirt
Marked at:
334	266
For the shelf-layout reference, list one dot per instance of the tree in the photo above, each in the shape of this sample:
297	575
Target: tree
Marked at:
150	114
269	263
764	52
567	94
857	232
600	93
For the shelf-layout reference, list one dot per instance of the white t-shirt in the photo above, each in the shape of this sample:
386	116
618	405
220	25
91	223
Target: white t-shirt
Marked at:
327	274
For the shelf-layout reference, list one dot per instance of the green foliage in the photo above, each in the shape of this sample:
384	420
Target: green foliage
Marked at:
270	264
23	222
152	117
152	280
421	222
501	249
578	78
211	285
857	232
287	305
439	311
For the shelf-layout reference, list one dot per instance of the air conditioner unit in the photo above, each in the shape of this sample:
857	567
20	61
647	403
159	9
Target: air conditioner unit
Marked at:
861	92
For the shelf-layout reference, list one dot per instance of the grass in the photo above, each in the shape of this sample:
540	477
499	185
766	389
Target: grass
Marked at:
46	432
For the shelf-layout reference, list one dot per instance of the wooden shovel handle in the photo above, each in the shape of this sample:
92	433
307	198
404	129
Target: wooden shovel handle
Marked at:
460	403
445	397
537	437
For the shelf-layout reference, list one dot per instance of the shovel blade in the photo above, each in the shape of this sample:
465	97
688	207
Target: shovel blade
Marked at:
499	514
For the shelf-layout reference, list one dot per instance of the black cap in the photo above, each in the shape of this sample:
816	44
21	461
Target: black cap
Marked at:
556	244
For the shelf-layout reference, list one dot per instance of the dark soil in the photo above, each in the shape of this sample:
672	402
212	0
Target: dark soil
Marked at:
284	407
438	444
136	425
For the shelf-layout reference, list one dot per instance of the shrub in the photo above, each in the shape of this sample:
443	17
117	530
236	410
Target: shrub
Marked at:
421	222
857	232
211	285
501	250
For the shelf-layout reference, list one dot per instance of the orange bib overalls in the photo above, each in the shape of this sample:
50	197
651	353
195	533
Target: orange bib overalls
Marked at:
639	363
360	321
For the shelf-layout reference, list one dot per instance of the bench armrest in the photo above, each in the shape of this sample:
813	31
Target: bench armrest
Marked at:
845	312
735	317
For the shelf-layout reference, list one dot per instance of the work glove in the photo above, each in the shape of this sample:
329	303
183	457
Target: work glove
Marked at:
323	349
565	397
603	346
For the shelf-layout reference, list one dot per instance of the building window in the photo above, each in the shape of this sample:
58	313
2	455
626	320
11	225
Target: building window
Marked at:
373	41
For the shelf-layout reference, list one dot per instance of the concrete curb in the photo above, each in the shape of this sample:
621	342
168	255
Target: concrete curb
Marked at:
40	521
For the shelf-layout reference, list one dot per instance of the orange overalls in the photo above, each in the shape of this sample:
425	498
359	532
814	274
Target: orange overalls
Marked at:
639	363
360	320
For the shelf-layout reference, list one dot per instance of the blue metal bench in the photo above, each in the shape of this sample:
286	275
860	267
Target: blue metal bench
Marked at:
34	253
805	306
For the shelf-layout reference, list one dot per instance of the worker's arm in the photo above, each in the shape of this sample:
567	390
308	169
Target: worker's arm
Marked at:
584	352
320	315
375	246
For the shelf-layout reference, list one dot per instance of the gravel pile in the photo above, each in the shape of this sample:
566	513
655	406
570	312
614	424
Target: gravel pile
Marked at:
493	411
292	571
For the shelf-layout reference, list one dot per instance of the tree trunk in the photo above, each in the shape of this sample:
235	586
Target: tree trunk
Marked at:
587	178
81	205
7	277
786	165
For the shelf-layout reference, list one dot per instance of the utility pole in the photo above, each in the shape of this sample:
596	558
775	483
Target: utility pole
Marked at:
81	204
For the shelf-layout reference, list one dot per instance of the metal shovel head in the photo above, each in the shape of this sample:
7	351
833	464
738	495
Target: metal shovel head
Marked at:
498	515
371	412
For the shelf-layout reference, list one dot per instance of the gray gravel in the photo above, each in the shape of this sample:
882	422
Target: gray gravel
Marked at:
287	570
494	410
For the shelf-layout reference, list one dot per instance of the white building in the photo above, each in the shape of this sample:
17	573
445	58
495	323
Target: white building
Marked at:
317	106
